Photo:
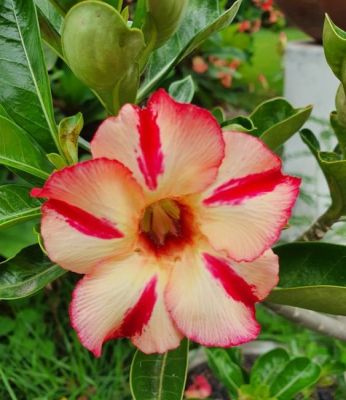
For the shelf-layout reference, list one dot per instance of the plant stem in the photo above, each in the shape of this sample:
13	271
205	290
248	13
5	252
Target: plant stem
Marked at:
319	229
325	324
84	144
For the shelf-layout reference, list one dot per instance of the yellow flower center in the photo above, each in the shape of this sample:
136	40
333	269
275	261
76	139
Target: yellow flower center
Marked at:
166	227
160	220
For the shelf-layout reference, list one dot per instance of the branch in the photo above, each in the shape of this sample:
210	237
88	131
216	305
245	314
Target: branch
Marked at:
327	325
320	228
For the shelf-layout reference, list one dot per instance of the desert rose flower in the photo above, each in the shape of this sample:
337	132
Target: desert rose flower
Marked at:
171	224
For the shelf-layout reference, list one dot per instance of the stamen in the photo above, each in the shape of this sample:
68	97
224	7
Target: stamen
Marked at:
161	220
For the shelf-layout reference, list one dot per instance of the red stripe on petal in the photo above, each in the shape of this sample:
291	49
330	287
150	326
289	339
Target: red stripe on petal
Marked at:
151	160
83	221
138	316
236	191
235	286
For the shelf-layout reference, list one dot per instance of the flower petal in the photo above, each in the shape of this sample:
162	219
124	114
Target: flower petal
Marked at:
116	300
172	148
245	210
92	213
103	188
261	274
244	155
75	245
159	335
212	300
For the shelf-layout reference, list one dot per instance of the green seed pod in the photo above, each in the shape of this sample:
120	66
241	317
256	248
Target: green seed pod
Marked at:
166	16
99	47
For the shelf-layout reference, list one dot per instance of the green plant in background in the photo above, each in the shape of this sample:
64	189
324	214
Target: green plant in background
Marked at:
274	376
121	55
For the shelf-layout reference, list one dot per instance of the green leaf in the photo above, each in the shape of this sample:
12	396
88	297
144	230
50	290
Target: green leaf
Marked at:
50	35
201	20
56	160
312	276
268	366
298	374
50	13
24	85
183	90
50	19
334	43
16	238
3	112
219	114
160	376
228	372
239	124
19	151
16	205
276	121
26	273
334	170
100	48
249	392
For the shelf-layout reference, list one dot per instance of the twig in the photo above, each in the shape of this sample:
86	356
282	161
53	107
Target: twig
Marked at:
321	227
321	323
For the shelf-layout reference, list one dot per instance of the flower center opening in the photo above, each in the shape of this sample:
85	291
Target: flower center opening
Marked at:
166	226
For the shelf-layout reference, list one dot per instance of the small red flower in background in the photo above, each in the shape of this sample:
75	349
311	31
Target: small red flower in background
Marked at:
199	389
171	225
265	5
199	65
244	26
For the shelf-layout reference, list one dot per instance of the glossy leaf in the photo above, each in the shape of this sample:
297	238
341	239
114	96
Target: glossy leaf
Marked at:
50	21
334	170
50	35
16	205
312	276
202	19
160	376
334	43
100	48
26	273
227	371
16	238
51	13
183	90
276	121
268	366
19	151
24	85
298	374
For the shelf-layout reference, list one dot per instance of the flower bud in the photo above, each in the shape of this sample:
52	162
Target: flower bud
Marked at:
99	47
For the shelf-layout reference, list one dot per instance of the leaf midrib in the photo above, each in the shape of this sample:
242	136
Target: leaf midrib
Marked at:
35	211
23	167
